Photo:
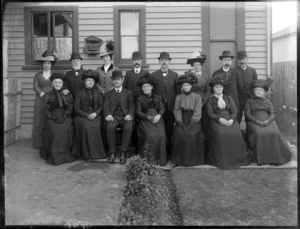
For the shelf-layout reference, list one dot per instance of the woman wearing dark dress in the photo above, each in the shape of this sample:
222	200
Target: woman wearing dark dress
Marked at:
58	129
226	146
263	135
41	86
188	138
151	128
88	107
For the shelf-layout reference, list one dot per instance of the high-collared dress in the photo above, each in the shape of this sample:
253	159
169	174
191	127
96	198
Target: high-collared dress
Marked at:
40	84
152	136
57	137
266	142
226	146
106	81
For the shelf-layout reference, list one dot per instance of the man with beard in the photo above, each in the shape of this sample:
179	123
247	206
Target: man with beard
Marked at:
248	75
233	80
132	76
166	88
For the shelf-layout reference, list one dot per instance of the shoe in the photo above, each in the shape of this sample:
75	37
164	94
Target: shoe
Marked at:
111	157
123	158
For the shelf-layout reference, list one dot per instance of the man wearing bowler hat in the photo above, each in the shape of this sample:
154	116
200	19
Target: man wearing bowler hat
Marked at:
72	80
166	88
248	75
233	80
132	75
118	110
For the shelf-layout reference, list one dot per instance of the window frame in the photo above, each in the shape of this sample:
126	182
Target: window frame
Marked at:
28	22
126	63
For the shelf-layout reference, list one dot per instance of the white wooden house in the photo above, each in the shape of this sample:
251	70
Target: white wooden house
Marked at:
179	28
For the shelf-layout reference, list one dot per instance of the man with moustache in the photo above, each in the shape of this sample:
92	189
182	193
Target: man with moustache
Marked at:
132	75
233	80
248	75
166	88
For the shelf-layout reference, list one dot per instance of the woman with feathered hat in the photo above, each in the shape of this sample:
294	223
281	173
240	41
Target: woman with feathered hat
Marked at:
226	146
263	135
41	86
151	128
188	138
105	72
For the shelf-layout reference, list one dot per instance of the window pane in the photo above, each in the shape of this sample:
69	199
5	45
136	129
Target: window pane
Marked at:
39	46
63	47
129	45
129	23
40	25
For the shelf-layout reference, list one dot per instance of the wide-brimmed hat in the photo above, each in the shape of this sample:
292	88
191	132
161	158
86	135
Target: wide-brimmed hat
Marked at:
90	74
107	49
241	54
218	79
75	55
147	79
164	55
226	54
265	84
117	74
196	57
136	55
49	56
56	75
187	78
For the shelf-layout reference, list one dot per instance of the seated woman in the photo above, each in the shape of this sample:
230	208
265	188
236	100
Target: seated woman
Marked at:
226	147
88	106
151	128
57	136
263	135
188	138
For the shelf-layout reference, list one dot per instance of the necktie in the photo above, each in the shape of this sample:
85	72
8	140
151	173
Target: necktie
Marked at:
137	72
118	91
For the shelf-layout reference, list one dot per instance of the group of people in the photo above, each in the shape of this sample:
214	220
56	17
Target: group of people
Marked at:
192	119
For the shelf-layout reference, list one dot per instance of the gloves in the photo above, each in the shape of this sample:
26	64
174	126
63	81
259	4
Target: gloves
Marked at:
60	120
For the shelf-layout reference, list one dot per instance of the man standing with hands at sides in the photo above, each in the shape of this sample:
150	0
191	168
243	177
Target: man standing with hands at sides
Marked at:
232	79
166	88
248	75
118	110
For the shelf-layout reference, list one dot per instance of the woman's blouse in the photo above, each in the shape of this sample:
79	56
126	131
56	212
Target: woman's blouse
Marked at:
257	105
41	84
146	102
188	102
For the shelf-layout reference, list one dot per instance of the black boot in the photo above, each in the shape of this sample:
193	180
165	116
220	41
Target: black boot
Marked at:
111	157
123	158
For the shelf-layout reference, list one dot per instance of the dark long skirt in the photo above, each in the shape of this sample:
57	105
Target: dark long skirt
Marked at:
38	121
152	139
57	140
267	143
226	146
88	142
188	144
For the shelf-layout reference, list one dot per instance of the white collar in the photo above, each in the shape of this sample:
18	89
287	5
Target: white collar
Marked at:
106	67
120	89
137	69
226	70
244	68
46	74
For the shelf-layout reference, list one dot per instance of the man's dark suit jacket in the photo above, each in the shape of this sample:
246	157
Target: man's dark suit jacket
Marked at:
166	86
111	100
131	79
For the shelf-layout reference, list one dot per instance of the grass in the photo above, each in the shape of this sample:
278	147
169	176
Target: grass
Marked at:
266	197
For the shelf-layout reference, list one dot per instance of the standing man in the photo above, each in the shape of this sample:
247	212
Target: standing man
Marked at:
248	75
132	76
233	80
166	88
118	110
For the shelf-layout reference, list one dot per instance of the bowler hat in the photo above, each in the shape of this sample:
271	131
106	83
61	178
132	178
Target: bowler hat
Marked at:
90	74
187	78
265	84
218	79
136	55
164	55
56	75
117	74
147	79
226	54
241	54
196	57
49	56
75	55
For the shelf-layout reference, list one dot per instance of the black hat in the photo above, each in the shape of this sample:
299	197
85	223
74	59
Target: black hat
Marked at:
164	55
90	74
75	55
265	84
226	54
49	56
136	55
108	49
218	79
146	79
117	74
241	54
187	78
196	57
56	75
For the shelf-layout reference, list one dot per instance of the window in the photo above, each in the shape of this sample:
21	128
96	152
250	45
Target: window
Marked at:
129	33
52	28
